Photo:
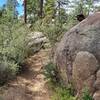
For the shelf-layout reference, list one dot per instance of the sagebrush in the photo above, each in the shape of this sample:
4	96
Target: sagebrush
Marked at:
13	49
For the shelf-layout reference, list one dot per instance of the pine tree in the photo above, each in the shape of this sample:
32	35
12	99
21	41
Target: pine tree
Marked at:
25	11
50	6
33	9
11	9
41	8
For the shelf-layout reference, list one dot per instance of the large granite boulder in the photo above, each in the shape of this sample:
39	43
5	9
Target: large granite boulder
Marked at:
83	73
37	40
83	37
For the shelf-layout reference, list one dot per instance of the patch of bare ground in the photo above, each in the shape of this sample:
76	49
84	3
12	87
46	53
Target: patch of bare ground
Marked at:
30	85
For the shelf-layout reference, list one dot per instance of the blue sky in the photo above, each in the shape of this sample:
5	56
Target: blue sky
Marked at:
2	2
19	8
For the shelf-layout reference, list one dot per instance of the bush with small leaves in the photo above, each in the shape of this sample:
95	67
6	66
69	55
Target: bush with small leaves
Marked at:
8	71
51	73
62	93
86	94
13	49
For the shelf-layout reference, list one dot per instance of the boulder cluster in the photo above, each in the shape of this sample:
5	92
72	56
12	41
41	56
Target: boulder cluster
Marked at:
77	56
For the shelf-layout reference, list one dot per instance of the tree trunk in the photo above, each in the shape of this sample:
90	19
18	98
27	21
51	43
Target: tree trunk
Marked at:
41	8
25	11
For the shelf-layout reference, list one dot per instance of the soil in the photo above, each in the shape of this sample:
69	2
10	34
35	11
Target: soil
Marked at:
30	85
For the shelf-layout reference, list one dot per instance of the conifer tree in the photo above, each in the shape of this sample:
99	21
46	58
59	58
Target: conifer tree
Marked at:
11	9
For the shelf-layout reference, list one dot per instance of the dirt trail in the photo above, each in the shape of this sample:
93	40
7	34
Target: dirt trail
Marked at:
31	84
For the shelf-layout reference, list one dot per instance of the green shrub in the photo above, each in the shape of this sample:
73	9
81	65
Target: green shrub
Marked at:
51	73
62	93
13	49
8	71
59	91
13	43
86	95
53	31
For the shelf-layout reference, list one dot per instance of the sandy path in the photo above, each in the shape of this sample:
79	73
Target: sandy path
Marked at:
31	84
